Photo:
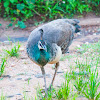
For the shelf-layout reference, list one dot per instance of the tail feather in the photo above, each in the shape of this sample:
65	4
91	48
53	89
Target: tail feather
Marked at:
77	28
74	22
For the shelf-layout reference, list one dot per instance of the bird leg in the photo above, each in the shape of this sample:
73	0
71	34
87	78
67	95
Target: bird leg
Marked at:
44	76
56	68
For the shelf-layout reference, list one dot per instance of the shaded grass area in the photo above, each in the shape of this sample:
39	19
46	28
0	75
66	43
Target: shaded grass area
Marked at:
43	10
46	9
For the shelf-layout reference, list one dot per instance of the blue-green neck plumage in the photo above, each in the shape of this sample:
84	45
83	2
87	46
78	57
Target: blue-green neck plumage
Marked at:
41	57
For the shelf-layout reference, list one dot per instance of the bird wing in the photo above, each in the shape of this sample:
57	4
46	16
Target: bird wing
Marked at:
60	31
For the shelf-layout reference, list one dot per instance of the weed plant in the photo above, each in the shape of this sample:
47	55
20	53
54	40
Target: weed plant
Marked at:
85	81
92	85
2	67
14	51
2	97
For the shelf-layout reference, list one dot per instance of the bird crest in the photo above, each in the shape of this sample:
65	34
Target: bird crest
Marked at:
41	31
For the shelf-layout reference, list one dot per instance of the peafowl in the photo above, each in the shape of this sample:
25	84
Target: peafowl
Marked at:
47	43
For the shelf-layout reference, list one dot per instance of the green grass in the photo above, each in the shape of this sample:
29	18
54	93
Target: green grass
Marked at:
82	80
92	85
85	82
14	52
21	10
2	97
2	67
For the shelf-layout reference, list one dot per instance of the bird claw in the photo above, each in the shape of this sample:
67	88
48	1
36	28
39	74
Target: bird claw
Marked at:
48	89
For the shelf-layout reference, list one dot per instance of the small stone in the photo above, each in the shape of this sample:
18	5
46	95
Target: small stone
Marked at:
60	72
27	91
19	79
10	96
78	46
38	75
94	34
7	42
41	76
21	49
28	79
78	33
6	76
12	65
20	99
18	94
86	42
98	21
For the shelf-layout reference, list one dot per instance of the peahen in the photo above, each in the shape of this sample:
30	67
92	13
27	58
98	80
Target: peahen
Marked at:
47	43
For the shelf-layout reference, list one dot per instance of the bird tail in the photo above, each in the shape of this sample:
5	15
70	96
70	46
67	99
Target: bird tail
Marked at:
74	22
77	27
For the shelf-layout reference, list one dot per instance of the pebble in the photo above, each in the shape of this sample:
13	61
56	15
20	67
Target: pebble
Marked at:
60	71
12	65
41	76
86	42
28	79
6	76
19	79
79	33
94	34
98	21
7	43
21	49
18	94
20	99
10	96
78	46
27	91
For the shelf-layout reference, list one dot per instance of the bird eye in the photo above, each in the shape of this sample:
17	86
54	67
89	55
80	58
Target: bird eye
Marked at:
40	45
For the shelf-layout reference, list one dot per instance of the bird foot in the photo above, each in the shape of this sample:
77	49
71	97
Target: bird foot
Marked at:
48	89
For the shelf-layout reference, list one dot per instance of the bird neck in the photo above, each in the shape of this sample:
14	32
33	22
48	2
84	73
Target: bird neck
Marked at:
41	56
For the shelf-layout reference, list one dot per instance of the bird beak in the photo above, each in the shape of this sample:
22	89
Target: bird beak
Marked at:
45	48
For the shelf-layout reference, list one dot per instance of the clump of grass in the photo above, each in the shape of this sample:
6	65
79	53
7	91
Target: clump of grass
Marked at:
41	96
82	80
14	51
63	91
92	86
2	67
79	85
2	97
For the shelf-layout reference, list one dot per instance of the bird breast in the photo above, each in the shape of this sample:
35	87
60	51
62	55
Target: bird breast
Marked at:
56	54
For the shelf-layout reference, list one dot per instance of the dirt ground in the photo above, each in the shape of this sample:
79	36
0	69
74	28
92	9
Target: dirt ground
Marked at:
14	83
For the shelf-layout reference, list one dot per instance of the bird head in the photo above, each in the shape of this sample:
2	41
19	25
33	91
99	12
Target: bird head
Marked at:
41	42
42	45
